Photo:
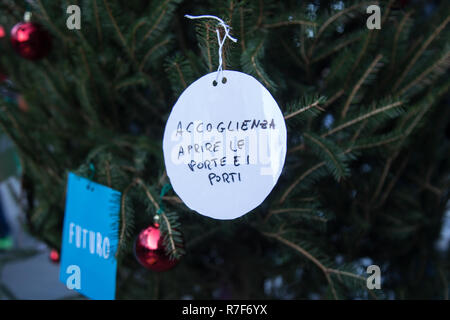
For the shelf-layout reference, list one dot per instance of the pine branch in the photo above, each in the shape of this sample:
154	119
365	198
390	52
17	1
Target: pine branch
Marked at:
336	48
252	58
345	273
326	271
299	179
158	20
97	22
380	143
152	49
297	148
420	52
50	23
289	23
416	121
426	185
387	10
241	20
303	52
334	18
135	29
440	66
315	104
124	222
149	195
361	53
405	19
359	84
383	177
287	210
363	117
336	96
299	249
13	9
306	174
330	152
180	74
230	12
391	185
85	63
389	161
291	54
170	234
358	132
261	14
24	146
173	199
208	48
117	29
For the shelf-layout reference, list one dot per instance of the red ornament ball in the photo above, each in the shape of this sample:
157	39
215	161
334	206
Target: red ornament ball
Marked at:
54	256
2	32
31	40
150	251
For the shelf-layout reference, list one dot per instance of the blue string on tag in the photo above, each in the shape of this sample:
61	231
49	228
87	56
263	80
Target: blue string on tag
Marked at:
91	176
92	171
166	188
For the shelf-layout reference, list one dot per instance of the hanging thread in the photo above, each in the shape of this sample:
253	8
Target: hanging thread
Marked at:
220	41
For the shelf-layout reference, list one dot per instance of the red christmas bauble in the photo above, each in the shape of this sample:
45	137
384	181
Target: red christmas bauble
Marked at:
31	40
150	251
2	32
54	256
22	103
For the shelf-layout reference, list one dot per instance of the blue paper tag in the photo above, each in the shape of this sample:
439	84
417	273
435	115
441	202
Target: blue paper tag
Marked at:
89	243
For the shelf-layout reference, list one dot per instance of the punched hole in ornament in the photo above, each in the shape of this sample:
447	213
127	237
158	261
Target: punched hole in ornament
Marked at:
214	83
224	80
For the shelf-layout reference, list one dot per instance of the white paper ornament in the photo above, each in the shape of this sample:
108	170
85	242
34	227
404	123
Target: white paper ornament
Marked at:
224	145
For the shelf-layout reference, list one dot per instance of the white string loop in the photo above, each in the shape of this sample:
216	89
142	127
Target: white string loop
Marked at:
220	41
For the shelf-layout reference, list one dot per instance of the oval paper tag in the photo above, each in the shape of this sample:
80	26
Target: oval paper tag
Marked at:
224	145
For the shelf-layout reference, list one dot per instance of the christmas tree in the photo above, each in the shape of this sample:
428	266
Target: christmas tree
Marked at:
366	176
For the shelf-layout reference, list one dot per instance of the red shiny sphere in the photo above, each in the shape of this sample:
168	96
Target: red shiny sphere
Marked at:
149	250
2	32
30	40
54	256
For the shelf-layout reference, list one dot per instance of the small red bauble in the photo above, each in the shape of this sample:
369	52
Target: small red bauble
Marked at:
2	32
22	103
54	256
30	40
150	251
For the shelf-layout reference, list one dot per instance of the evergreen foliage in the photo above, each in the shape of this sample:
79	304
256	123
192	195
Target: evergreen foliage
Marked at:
367	171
